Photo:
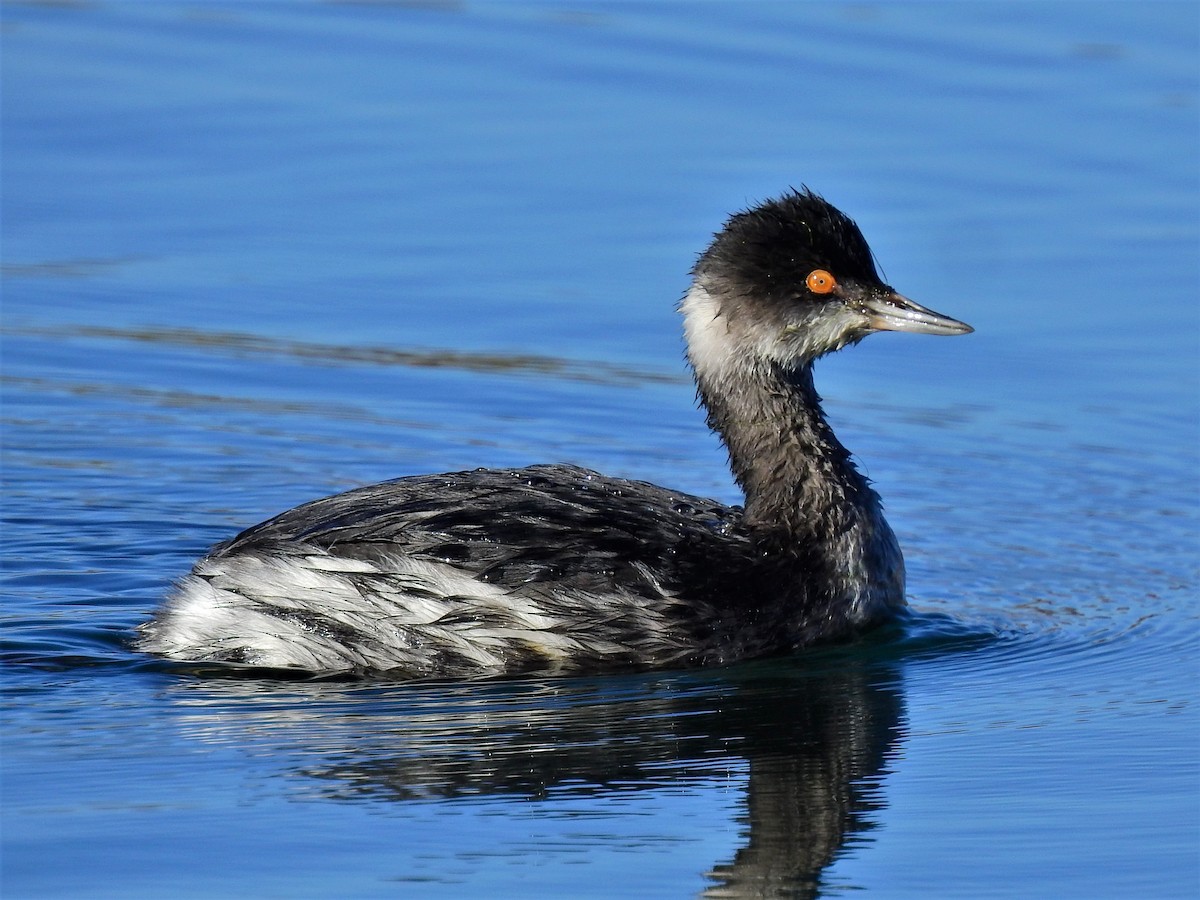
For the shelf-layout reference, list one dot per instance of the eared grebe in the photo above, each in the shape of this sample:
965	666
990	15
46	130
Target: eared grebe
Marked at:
558	568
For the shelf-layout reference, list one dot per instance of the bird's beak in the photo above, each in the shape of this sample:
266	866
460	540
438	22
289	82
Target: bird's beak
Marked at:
894	312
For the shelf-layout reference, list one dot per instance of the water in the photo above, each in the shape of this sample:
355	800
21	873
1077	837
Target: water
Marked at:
255	253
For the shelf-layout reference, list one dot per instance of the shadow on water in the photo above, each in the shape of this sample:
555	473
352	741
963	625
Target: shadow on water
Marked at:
810	737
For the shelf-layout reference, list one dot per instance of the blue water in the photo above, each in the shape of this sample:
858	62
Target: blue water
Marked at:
255	253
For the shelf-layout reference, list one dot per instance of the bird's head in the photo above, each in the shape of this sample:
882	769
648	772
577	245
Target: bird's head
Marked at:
789	281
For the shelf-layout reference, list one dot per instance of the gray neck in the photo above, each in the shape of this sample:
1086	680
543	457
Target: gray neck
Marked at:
804	497
797	477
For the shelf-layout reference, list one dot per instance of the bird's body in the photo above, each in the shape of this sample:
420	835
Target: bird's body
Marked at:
555	568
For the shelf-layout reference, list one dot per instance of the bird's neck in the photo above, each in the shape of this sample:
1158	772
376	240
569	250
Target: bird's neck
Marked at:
798	478
804	497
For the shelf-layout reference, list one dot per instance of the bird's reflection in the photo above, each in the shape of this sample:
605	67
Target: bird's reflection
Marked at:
813	735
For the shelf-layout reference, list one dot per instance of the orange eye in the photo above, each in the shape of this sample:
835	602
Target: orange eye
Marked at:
820	282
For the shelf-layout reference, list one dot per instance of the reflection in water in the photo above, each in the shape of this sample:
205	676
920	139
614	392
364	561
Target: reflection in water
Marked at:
263	347
813	741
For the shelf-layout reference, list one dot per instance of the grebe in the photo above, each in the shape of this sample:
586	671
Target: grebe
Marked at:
557	568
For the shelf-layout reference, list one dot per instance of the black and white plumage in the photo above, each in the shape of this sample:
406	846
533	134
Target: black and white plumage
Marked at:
556	568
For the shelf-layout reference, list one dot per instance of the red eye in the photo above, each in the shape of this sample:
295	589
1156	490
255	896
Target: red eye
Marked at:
820	282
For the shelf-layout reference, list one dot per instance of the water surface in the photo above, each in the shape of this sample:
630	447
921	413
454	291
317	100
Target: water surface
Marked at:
255	253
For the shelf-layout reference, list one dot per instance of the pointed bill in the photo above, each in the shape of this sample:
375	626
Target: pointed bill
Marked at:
895	312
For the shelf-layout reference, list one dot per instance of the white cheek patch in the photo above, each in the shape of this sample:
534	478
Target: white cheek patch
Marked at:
716	345
706	330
